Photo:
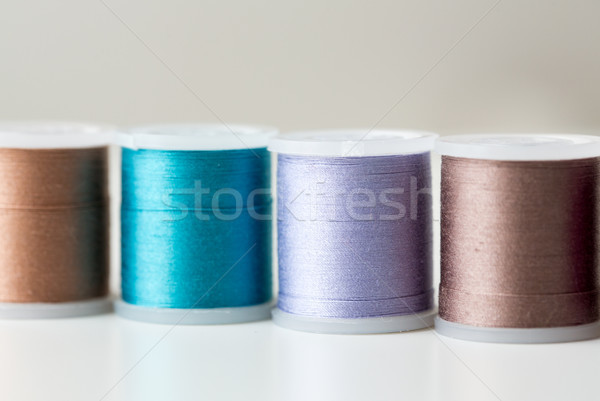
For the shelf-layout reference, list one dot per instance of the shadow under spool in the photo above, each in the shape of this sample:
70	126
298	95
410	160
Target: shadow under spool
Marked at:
520	243
54	250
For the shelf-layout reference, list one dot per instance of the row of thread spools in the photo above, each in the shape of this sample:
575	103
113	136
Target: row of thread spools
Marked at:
353	212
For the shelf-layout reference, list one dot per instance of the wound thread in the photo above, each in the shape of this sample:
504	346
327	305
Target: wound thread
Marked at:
354	235
53	225
519	242
196	228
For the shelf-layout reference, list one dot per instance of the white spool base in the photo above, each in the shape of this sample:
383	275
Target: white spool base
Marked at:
57	310
374	325
517	336
175	316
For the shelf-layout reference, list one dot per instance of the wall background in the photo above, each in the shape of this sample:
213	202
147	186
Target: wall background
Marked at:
527	66
446	66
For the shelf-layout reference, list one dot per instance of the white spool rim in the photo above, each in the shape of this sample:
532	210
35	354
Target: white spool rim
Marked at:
58	310
517	335
207	316
519	147
353	142
53	135
374	325
196	137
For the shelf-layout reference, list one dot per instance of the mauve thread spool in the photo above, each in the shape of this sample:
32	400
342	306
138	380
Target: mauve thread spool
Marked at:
54	245
354	231
519	238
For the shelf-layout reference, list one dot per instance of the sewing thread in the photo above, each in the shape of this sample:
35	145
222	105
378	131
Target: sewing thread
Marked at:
196	228
354	235
519	242
53	225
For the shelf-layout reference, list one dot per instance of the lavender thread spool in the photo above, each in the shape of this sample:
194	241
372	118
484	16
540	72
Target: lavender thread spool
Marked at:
354	231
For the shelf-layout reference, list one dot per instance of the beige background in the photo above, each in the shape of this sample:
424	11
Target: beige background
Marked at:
527	66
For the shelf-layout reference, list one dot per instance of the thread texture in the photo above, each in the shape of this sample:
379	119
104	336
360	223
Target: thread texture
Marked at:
519	242
186	246
53	225
354	235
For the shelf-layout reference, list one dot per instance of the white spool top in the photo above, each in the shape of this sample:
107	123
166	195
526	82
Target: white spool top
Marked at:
53	135
515	147
353	143
196	137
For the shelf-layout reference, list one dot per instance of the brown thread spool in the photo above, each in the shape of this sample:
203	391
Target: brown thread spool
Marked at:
53	220
520	238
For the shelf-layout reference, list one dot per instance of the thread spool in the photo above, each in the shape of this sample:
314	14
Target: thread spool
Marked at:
53	220
196	224
354	231
519	238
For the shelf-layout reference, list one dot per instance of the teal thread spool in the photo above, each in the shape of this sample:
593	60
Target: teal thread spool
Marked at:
196	224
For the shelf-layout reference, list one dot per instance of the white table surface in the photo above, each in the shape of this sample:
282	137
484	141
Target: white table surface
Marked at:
109	358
